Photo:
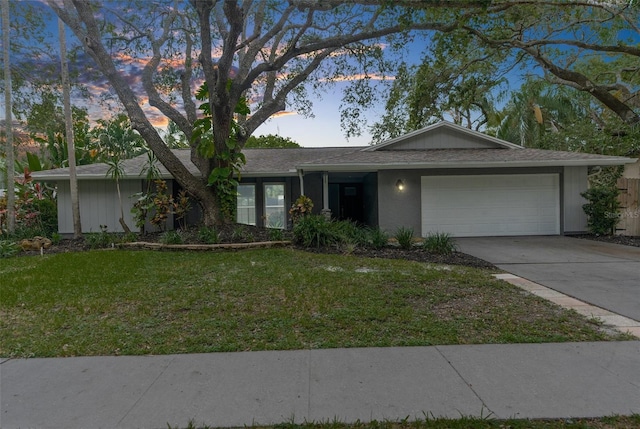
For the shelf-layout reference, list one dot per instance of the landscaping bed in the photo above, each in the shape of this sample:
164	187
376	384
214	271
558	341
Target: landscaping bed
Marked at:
231	234
615	239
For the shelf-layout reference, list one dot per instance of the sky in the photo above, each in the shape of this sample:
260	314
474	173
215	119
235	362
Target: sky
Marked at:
323	129
320	131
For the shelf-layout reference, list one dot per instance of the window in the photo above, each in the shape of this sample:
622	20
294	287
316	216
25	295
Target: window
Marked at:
274	205
246	204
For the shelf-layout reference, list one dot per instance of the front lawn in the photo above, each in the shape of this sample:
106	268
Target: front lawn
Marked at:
146	302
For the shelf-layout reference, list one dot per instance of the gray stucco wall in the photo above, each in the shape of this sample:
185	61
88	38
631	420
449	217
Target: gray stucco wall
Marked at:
403	208
399	208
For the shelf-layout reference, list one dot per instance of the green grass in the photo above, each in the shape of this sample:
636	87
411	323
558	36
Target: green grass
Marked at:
145	302
615	422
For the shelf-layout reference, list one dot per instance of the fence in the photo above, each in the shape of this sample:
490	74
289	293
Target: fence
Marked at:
629	208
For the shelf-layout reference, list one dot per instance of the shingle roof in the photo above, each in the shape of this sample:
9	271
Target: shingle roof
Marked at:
286	162
451	158
260	162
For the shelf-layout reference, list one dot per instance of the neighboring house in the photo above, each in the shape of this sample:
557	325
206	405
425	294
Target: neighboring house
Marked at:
442	178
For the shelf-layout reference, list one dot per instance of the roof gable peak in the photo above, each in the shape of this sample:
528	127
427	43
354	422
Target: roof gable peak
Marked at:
443	135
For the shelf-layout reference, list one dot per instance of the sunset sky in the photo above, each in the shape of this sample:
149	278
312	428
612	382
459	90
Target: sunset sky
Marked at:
321	130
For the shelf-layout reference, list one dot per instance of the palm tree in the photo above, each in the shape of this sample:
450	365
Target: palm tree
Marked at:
534	111
116	171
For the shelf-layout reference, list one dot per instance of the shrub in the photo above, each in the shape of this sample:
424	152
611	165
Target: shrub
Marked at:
181	208
441	243
240	234
276	234
314	230
171	237
404	237
347	232
302	207
129	237
99	240
47	215
377	238
208	235
8	249
56	238
602	209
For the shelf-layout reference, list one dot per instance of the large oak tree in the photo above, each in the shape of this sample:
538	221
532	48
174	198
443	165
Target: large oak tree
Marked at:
261	50
270	52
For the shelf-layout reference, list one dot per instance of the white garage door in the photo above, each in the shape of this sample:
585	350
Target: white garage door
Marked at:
472	206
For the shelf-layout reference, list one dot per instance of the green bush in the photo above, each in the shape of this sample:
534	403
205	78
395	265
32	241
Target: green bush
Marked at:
8	248
377	238
240	234
47	215
276	234
24	231
208	235
171	237
56	238
314	230
347	232
100	240
441	243
602	209
129	237
404	236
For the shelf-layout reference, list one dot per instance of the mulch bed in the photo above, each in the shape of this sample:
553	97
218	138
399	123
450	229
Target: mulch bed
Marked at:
616	239
229	235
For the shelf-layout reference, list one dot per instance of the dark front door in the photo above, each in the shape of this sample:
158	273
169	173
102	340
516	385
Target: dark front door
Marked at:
351	202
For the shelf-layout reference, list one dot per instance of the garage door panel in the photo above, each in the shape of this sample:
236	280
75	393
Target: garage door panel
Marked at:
491	205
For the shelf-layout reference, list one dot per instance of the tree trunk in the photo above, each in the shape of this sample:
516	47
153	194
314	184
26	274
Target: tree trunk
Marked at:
210	210
124	225
68	121
11	195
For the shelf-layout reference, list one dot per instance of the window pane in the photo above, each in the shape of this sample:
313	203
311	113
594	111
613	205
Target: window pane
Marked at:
274	208
246	206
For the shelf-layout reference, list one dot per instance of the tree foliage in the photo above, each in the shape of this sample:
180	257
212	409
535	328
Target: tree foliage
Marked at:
457	80
270	52
270	141
568	71
277	53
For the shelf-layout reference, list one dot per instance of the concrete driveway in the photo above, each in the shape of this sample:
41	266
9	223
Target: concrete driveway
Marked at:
603	274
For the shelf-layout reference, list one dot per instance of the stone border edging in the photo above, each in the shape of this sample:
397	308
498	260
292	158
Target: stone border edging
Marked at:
614	320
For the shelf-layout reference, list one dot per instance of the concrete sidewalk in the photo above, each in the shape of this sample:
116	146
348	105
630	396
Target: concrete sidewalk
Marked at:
237	389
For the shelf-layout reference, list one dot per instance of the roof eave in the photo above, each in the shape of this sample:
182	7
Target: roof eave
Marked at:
473	164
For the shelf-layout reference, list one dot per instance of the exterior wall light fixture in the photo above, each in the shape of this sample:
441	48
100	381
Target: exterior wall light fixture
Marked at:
400	185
